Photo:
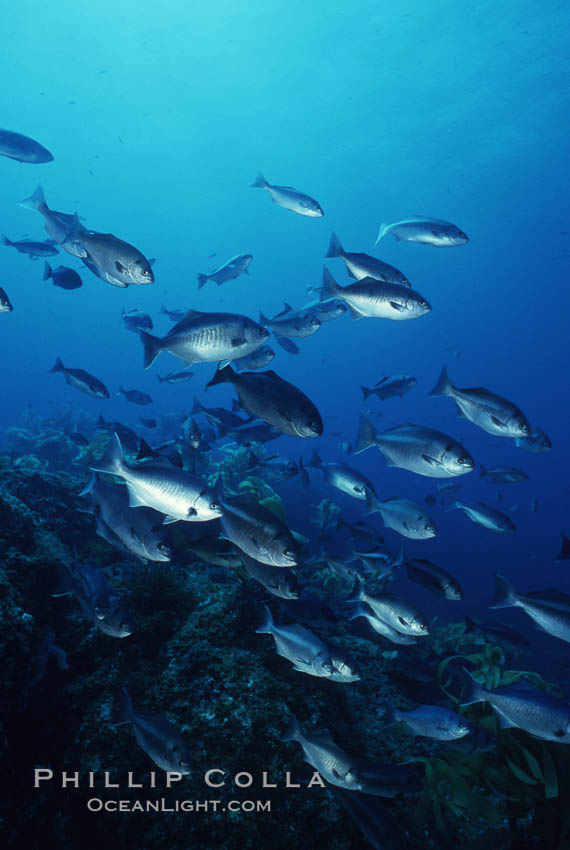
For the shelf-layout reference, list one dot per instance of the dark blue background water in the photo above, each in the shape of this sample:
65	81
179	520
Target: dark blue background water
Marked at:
160	117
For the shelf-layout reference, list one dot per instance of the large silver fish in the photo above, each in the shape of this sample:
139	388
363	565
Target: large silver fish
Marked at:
381	627
403	516
424	451
376	299
426	231
23	148
343	477
484	515
177	494
332	763
258	532
486	409
290	199
112	256
402	616
550	609
267	396
298	645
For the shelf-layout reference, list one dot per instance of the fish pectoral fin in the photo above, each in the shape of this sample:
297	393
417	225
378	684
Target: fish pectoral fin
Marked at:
170	519
120	267
135	500
355	314
432	461
497	422
460	413
395	306
505	723
237	341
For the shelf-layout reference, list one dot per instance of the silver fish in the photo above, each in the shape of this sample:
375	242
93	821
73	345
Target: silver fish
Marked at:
5	303
82	380
291	323
360	266
484	515
298	645
206	338
111	255
424	451
503	474
23	148
428	721
537	441
434	578
280	583
376	299
290	199
403	516
32	249
332	763
399	614
493	413
524	707
396	385
177	494
227	271
258	532
381	627
550	609
156	735
426	231
258	359
58	225
343	477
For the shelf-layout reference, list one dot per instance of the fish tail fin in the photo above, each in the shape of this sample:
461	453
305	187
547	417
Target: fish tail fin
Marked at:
366	391
263	320
359	611
112	461
160	379
266	627
453	505
221	376
88	489
4	239
444	385
383	230
330	288
335	248
400	559
366	437
564	554
202	279
293	730
473	691
123	709
356	592
58	366
145	450
197	407
36	201
390	713
151	347
260	182
505	593
482	471
315	461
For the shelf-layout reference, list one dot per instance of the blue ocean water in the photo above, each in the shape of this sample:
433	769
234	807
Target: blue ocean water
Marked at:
160	116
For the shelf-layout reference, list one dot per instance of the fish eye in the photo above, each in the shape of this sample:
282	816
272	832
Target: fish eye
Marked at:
213	506
145	272
288	553
430	527
464	461
260	331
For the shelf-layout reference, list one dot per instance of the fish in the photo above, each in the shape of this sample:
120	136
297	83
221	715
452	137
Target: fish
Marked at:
549	609
428	721
82	381
396	385
289	198
127	435
403	516
111	255
221	553
148	423
522	706
381	562
173	315
218	415
504	474
564	554
135	321
278	582
360	266
175	377
58	225
333	764
5	303
498	632
325	311
416	448
425	231
344	668
254	431
490	412
177	494
258	532
156	735
106	610
97	270
484	515
135	396
23	148
139	532
434	578
376	298
402	616
63	276
537	441
381	627
290	323
33	249
256	360
302	648
206	338
227	271
277	402
343	477
275	468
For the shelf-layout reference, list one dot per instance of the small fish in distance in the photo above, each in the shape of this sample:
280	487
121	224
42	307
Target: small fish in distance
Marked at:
403	516
82	380
428	721
503	474
360	266
227	271
135	396
484	515
23	148
135	321
175	377
290	199
256	360
63	276
425	231
32	249
396	385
